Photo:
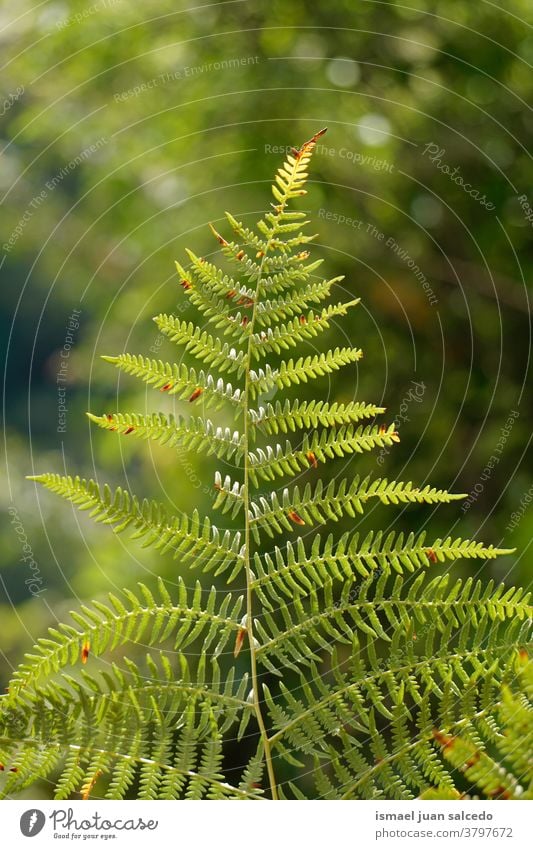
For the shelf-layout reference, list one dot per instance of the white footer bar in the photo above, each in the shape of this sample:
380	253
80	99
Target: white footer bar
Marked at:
263	825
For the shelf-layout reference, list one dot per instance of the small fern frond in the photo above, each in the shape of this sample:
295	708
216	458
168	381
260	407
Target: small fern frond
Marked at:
282	273
133	618
331	503
322	446
273	419
192	434
245	235
284	336
219	284
297	571
201	344
292	176
271	312
302	370
218	311
194	540
179	380
230	495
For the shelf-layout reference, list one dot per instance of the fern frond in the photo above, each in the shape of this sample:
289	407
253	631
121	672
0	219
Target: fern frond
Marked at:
386	678
280	267
322	446
341	723
284	336
194	540
273	311
230	495
246	236
179	380
206	274
193	433
297	571
132	618
164	730
309	414
215	310
303	369
284	273
381	608
331	503
292	176
201	344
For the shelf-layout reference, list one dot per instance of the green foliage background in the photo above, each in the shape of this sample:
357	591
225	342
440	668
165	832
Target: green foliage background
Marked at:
183	106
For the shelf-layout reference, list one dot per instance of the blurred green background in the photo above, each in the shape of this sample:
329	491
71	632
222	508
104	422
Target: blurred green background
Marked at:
126	127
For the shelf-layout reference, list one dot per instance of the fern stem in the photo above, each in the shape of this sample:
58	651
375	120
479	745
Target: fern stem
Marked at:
247	541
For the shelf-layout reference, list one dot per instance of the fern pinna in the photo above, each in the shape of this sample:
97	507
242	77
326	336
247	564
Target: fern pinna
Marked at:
370	673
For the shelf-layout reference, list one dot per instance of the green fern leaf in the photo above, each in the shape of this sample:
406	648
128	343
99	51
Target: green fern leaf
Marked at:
331	503
298	570
194	540
201	344
179	380
322	446
284	336
193	434
309	414
302	370
387	680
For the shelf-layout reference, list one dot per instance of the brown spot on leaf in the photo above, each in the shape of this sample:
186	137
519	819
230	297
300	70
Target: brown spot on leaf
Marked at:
311	457
294	517
444	740
239	640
